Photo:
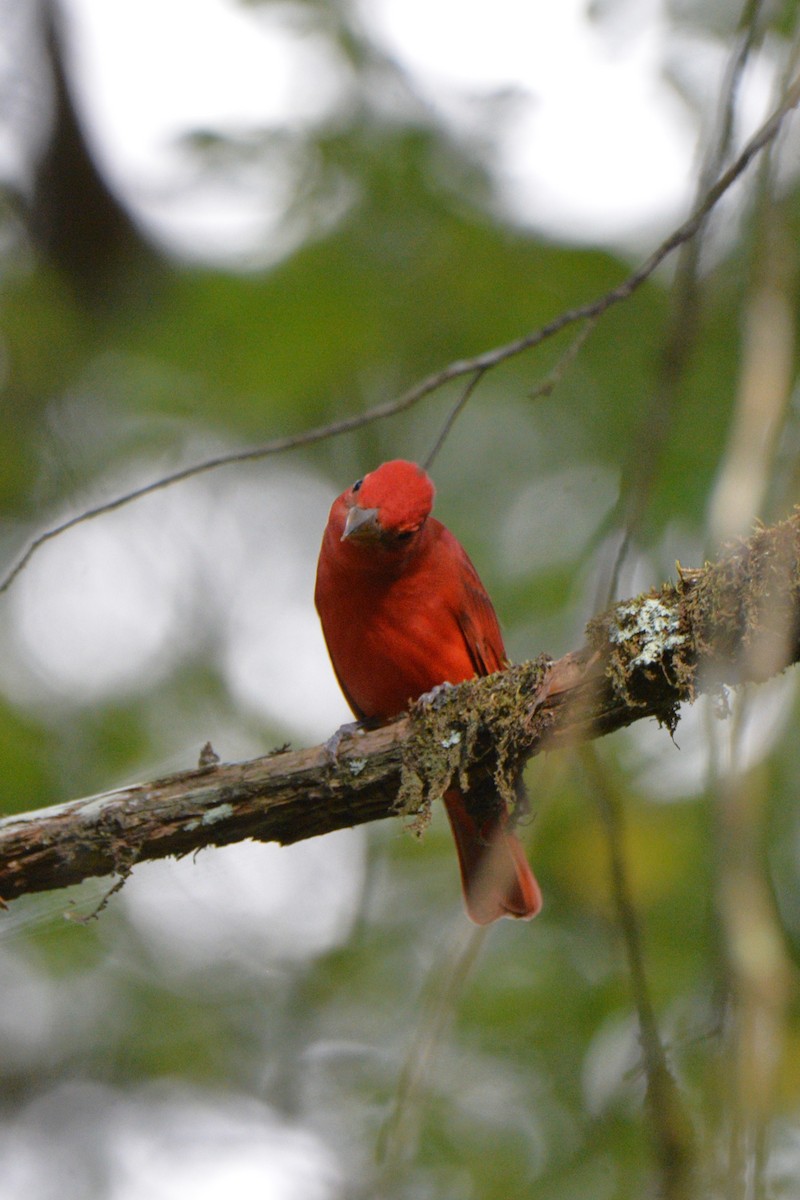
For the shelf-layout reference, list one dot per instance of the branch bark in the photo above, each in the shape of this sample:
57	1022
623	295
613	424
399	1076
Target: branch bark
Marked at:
727	623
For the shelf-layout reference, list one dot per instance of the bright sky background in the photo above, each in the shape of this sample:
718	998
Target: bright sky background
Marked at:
596	143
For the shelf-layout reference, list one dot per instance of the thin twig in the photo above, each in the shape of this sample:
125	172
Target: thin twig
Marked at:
552	380
455	370
544	388
668	1117
451	417
681	331
398	1137
749	32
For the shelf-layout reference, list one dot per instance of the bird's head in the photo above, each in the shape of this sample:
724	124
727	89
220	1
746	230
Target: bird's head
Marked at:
390	505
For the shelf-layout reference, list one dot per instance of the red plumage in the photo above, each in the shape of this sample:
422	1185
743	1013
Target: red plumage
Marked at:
403	610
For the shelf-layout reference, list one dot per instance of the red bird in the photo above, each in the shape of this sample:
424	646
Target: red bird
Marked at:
403	610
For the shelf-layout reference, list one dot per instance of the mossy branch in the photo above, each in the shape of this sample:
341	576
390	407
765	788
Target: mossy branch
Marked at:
729	622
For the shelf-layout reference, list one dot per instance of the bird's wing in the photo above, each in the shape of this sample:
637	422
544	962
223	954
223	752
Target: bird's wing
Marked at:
478	621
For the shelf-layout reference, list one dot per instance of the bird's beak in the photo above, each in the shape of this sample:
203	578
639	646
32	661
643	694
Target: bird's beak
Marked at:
361	521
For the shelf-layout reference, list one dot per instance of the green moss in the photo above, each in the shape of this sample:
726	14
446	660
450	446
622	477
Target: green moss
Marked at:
735	620
477	731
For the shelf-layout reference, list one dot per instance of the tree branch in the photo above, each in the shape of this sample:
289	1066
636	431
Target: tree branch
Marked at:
730	622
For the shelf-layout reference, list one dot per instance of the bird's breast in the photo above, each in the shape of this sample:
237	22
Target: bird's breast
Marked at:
391	644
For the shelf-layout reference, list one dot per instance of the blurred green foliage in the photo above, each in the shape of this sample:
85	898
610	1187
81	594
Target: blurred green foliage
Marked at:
533	1084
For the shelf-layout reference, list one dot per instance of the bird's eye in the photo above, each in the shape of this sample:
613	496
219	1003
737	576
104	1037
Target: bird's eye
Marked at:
357	484
406	535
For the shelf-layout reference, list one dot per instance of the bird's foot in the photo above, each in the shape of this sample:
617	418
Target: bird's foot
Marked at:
349	729
436	697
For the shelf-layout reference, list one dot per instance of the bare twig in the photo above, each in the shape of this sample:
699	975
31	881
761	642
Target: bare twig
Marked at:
669	1121
461	367
399	1136
680	336
543	388
451	417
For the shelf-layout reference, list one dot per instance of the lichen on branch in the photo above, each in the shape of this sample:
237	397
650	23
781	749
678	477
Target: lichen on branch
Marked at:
481	727
732	621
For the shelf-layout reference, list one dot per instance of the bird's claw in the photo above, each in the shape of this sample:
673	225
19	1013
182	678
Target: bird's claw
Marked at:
436	697
349	728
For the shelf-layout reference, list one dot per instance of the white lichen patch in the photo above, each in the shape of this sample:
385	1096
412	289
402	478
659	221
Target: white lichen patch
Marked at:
651	626
452	739
356	765
220	812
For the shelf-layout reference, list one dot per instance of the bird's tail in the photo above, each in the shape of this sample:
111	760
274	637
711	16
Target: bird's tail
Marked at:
495	874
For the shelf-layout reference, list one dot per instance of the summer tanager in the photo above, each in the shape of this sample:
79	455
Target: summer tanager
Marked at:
403	611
